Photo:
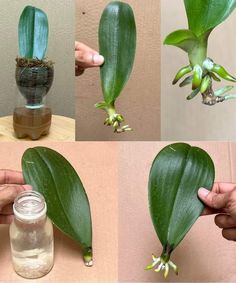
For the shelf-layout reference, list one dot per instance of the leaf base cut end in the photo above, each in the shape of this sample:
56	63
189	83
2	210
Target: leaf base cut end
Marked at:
162	264
89	263
211	97
114	119
88	257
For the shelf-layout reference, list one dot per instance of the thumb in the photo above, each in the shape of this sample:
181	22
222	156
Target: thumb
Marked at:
213	200
88	59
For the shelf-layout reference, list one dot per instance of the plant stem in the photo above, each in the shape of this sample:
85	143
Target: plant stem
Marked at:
110	109
208	97
199	53
165	256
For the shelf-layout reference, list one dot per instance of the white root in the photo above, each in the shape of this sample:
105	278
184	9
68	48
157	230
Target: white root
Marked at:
162	265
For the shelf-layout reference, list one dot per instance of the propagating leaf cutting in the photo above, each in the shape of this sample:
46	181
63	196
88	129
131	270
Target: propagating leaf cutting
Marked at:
49	173
177	172
203	17
117	41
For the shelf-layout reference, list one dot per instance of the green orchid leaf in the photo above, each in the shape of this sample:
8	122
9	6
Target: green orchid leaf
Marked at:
117	41
49	173
33	33
205	15
184	39
177	173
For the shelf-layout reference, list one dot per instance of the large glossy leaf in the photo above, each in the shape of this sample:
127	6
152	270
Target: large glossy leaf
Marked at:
33	33
177	173
204	15
184	39
68	207
117	41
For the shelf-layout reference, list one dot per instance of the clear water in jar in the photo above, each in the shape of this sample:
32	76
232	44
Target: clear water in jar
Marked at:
32	247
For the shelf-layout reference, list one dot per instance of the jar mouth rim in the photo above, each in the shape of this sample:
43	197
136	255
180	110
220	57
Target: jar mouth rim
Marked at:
29	205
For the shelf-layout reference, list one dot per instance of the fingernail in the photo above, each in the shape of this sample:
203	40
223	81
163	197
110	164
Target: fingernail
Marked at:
203	192
27	187
98	59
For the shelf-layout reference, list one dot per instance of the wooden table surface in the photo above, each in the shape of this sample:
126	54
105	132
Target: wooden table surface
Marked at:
62	129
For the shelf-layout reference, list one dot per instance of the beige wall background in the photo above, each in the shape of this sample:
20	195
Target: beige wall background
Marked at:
203	256
60	50
191	120
91	161
139	102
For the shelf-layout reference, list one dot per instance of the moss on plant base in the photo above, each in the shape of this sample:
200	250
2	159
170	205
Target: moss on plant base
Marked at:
24	62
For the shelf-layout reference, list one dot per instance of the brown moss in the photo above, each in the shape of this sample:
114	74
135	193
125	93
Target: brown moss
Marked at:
24	62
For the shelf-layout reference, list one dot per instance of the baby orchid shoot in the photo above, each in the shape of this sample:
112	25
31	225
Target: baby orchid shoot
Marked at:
202	71
162	263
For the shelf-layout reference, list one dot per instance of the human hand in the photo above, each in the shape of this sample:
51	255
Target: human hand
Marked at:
11	184
85	57
221	200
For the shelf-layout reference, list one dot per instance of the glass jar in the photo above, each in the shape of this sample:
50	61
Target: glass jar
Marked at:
31	236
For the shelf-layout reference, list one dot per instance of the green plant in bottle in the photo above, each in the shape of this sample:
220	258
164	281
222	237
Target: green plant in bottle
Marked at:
117	41
177	172
34	74
203	17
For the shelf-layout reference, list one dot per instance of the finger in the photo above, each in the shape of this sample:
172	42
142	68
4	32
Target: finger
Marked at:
11	177
229	234
6	219
79	46
212	199
9	192
79	71
88	59
210	211
223	187
8	209
225	221
26	187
